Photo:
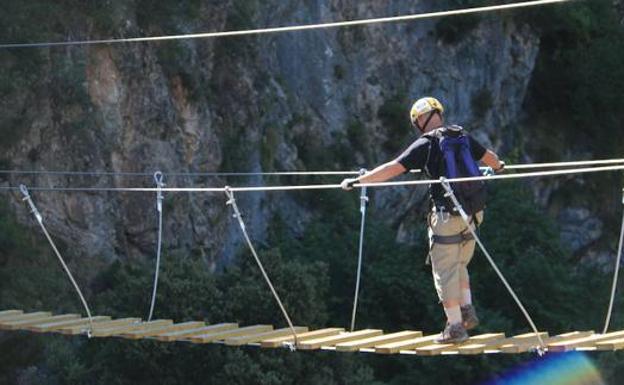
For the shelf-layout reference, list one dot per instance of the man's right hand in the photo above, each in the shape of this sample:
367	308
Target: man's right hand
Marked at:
348	183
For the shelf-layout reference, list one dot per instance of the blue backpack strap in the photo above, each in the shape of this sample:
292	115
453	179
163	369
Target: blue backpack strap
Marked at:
454	146
471	165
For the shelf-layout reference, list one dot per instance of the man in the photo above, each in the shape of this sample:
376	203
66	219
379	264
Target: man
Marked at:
451	246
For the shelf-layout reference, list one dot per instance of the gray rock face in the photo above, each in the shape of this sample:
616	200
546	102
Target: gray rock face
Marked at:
335	98
579	228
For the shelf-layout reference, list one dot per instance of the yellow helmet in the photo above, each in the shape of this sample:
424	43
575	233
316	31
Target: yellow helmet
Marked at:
424	105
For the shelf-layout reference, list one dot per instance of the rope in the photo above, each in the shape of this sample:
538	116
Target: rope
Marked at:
293	28
39	218
290	173
615	273
564	164
199	174
232	202
449	193
325	186
158	179
363	201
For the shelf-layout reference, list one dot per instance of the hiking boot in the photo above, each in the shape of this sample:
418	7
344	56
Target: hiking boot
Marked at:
469	317
452	334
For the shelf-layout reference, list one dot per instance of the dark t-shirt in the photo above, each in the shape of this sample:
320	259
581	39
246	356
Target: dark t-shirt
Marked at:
425	154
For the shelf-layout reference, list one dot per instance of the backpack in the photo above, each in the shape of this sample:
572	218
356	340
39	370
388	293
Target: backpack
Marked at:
457	162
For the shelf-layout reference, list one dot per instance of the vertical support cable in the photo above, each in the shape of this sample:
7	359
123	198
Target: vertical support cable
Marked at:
363	201
158	179
37	214
616	272
460	209
232	202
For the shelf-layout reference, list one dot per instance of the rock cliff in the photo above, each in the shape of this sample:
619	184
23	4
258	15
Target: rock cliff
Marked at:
331	99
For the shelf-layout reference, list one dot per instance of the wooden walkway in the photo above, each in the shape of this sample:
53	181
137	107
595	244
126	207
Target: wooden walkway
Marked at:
336	339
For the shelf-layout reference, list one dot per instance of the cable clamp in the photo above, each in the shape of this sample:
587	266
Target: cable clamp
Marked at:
158	179
230	195
292	346
27	198
232	202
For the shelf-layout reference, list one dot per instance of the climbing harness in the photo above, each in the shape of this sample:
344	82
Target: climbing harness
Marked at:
449	193
363	202
451	239
37	214
158	179
615	272
232	203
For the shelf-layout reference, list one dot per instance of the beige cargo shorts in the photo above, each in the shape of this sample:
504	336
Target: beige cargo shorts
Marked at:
450	262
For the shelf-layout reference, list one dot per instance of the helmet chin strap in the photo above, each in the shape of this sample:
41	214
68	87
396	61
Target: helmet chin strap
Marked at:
424	127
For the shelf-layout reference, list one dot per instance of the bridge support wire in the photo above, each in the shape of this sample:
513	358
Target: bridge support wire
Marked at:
37	214
615	272
158	179
232	202
363	202
449	193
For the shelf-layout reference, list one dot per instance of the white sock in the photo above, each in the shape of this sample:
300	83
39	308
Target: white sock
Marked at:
466	297
453	314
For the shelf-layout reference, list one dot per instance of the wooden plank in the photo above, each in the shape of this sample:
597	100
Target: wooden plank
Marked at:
280	341
10	313
572	344
435	349
479	348
529	345
21	324
397	347
80	329
154	331
253	338
184	334
353	346
52	326
494	345
342	337
218	336
521	343
614	344
25	316
118	330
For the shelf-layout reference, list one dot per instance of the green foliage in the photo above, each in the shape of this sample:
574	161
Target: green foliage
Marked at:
451	30
579	75
339	72
166	16
481	102
314	273
394	117
268	147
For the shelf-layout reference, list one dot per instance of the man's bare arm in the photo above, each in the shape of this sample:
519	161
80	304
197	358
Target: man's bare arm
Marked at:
491	160
380	174
383	173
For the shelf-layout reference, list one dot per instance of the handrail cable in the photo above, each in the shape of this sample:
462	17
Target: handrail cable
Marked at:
305	27
325	186
519	166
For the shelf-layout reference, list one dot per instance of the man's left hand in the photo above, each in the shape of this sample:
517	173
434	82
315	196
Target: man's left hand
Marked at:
348	183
